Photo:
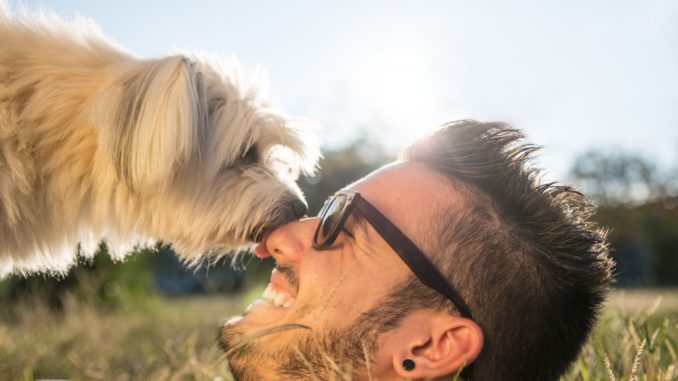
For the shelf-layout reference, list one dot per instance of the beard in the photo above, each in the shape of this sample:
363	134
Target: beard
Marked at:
301	354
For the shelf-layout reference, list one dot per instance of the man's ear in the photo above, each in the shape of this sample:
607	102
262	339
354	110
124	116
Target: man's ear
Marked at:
438	343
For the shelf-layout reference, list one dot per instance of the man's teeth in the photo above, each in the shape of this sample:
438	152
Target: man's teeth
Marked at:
279	298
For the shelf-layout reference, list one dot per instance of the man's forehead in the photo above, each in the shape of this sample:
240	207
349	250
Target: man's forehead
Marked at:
409	194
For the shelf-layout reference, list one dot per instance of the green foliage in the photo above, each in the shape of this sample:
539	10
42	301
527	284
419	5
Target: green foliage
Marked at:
659	225
341	167
644	242
617	177
638	202
98	281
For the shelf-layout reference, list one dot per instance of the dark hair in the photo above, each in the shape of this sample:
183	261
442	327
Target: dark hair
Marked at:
525	257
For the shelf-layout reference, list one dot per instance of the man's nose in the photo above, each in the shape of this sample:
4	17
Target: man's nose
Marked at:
289	242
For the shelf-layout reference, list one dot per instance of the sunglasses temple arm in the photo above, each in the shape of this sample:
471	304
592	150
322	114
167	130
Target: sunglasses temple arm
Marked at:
419	264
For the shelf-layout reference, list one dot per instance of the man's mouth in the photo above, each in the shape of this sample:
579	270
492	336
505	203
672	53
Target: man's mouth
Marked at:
273	307
278	297
278	291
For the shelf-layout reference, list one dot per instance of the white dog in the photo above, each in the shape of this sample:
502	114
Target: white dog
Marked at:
96	143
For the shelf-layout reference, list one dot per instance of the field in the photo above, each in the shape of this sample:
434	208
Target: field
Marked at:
174	339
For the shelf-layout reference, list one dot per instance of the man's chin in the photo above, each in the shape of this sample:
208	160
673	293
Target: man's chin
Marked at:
250	356
262	314
229	334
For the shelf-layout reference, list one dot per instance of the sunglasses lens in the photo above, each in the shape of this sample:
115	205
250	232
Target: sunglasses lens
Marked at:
329	219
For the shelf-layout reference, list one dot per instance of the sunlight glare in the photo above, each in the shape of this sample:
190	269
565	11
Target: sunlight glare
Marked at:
395	84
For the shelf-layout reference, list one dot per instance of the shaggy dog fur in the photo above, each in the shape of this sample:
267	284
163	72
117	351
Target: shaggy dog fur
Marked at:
97	143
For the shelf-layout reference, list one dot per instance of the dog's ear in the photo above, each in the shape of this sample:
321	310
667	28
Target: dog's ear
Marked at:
149	115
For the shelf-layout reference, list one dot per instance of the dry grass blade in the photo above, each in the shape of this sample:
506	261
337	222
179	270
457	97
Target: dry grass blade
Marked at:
608	366
636	361
303	358
367	360
672	351
655	305
332	367
583	369
458	374
633	328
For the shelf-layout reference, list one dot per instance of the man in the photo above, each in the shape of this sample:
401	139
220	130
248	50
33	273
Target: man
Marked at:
453	261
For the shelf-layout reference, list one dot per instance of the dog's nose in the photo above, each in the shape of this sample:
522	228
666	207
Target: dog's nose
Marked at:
299	208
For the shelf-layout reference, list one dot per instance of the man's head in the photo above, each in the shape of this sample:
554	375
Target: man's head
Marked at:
523	257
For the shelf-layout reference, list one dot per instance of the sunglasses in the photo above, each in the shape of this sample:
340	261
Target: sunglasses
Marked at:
333	216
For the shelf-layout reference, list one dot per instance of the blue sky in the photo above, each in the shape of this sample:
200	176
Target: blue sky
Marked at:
573	75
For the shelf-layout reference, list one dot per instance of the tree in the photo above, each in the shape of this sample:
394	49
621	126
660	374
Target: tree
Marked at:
617	177
638	203
341	167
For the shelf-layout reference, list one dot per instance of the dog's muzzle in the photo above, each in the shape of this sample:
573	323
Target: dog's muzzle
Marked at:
295	210
299	209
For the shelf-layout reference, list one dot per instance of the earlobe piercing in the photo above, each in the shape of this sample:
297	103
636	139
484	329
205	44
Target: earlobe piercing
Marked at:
408	365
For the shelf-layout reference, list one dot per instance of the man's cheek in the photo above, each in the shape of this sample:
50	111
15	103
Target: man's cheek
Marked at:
301	310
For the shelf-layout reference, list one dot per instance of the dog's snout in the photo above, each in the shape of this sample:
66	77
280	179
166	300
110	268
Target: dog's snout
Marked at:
299	208
291	212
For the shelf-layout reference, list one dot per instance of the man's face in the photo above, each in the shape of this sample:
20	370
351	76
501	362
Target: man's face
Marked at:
336	292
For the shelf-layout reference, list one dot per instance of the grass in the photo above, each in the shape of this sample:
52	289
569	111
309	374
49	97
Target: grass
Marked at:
636	339
174	339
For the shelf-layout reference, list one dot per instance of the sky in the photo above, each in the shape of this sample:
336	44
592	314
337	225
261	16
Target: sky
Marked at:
573	75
